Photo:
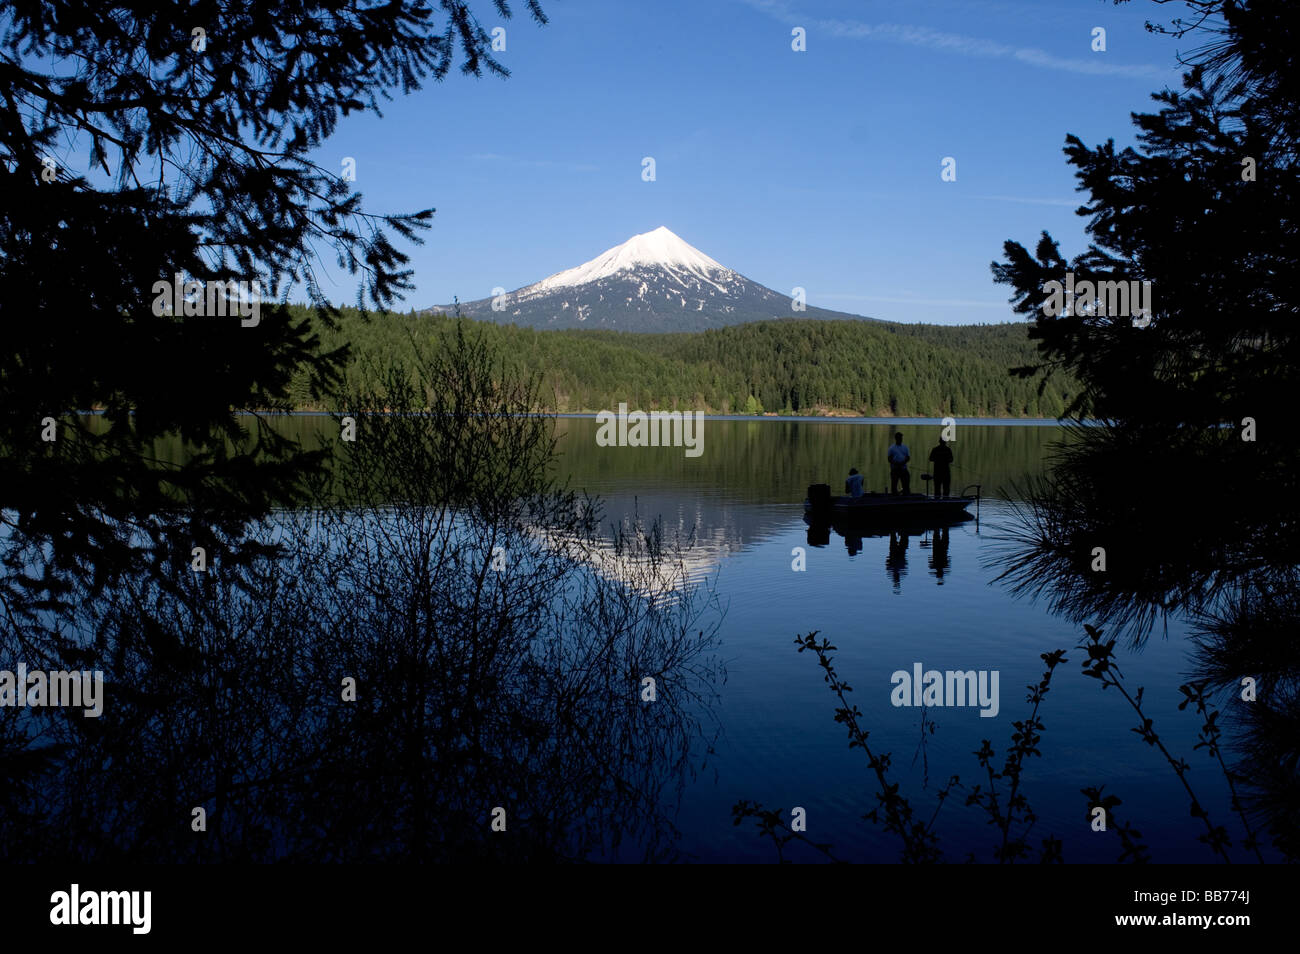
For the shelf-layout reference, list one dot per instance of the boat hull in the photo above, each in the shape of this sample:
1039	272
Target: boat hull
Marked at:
888	507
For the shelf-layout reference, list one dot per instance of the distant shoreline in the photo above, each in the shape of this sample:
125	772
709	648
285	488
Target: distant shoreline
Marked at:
836	419
822	419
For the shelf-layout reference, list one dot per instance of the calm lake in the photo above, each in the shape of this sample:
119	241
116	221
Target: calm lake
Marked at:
888	603
887	607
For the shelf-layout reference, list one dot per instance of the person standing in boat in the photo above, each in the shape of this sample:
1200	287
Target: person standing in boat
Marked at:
898	456
853	486
941	461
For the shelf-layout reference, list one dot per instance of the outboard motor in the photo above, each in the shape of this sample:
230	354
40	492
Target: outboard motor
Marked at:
819	498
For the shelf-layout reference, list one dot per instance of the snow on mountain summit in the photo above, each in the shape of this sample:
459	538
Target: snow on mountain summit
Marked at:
653	282
660	247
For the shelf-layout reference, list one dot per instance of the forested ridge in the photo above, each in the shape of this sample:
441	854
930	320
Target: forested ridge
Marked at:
793	366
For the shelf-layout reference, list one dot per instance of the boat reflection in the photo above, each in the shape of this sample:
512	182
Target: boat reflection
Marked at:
933	533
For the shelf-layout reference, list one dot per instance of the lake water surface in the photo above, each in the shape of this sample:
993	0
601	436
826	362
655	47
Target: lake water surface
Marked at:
888	604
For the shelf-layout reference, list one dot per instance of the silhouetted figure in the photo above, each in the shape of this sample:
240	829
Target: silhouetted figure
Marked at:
852	541
898	456
941	459
939	553
853	486
896	561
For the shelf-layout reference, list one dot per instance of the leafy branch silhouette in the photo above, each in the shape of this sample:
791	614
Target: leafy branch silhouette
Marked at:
1100	665
919	840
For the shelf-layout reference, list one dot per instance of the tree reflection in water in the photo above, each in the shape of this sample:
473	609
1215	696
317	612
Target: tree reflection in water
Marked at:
1226	564
438	567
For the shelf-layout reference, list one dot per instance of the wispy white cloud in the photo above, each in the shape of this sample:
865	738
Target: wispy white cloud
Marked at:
961	44
1070	203
534	163
950	302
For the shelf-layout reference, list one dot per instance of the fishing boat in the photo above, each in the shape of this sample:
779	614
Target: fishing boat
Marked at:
821	505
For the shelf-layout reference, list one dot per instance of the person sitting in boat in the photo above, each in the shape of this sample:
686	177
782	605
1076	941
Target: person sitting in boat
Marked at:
853	486
941	464
898	456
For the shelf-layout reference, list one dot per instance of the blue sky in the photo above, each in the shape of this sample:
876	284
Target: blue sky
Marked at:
818	169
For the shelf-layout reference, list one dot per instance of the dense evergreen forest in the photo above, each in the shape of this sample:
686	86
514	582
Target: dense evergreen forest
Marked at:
791	366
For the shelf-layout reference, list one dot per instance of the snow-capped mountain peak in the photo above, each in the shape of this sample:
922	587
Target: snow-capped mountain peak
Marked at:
660	247
654	281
